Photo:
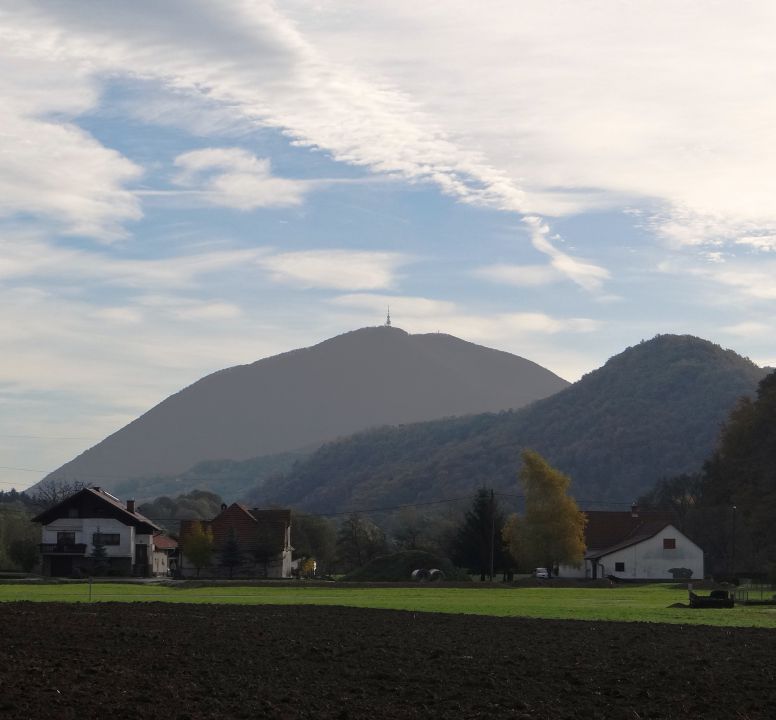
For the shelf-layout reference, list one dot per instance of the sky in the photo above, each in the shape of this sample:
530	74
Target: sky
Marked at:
190	185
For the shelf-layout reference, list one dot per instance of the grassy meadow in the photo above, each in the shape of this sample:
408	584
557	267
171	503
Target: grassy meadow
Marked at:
630	603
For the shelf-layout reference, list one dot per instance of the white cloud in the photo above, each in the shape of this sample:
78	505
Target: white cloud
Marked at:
749	329
51	168
519	275
231	177
400	305
28	256
335	269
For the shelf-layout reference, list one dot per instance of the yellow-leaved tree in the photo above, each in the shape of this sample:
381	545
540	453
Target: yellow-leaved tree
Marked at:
552	531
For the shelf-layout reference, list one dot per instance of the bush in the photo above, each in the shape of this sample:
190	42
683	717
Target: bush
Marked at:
398	567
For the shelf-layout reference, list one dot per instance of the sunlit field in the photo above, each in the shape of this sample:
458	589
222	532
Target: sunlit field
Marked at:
648	603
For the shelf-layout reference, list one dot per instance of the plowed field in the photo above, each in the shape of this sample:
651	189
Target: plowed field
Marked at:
112	661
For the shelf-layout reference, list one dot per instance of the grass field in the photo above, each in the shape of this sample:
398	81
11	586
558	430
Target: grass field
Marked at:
626	603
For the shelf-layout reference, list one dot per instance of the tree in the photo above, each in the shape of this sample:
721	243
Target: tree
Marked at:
99	555
52	492
231	553
198	546
552	532
359	540
25	553
314	537
477	544
267	544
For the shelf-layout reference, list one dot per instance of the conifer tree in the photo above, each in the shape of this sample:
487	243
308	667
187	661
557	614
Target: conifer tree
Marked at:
231	554
99	554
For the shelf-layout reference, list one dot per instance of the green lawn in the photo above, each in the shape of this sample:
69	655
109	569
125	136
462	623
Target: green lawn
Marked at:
628	603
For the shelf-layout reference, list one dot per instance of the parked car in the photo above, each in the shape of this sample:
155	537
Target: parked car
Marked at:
541	573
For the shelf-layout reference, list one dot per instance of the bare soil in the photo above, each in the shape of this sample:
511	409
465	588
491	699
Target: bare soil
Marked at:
185	662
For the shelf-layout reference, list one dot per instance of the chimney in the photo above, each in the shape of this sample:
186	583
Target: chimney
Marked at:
634	510
130	506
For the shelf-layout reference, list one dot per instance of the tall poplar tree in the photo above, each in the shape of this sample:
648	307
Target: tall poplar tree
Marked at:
552	532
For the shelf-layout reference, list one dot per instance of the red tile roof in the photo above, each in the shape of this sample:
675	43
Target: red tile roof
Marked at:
165	542
612	530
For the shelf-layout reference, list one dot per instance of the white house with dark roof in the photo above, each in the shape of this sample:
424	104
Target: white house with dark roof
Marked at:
70	529
637	545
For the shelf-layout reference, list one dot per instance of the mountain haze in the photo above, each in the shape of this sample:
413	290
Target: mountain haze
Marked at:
654	410
301	399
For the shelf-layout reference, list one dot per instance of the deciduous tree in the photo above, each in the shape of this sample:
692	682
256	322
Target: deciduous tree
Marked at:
552	532
231	553
198	546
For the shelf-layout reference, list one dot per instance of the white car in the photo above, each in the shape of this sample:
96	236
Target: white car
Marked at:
541	573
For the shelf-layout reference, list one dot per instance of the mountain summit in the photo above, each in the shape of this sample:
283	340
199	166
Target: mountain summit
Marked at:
300	399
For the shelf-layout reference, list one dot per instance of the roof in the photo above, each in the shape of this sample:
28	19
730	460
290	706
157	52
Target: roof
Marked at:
164	542
647	531
608	531
605	529
96	502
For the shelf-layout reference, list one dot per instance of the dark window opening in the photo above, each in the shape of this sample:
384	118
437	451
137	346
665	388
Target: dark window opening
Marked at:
107	538
619	567
65	538
669	543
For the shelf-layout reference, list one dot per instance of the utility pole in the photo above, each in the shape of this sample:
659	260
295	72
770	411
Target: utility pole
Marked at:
492	531
733	547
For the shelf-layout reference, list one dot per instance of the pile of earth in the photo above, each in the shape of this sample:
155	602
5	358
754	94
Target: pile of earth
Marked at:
185	662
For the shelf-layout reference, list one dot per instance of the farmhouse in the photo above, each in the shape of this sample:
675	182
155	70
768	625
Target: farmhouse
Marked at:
637	545
262	537
134	545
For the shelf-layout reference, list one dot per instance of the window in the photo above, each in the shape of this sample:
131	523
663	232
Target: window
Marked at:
65	538
107	538
669	543
619	567
72	512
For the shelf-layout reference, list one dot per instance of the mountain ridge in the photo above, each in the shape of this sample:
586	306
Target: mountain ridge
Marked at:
302	398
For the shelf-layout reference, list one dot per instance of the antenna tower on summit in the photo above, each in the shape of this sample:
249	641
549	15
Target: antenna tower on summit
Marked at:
388	318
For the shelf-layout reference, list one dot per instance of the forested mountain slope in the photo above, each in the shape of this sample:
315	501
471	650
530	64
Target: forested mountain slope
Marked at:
654	410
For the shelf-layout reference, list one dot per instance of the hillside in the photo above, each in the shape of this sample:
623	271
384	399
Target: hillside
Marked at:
301	399
654	410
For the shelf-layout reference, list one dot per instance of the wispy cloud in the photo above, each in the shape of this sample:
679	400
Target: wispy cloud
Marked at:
235	178
335	269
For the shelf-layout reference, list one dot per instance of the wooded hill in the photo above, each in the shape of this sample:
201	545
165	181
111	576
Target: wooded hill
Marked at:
655	410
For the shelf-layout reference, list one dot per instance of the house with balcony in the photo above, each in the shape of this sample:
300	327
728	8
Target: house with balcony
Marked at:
134	545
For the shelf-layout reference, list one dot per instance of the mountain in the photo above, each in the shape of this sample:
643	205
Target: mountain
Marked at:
654	410
301	399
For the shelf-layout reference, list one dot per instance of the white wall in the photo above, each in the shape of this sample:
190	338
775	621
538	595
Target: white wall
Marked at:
648	560
84	529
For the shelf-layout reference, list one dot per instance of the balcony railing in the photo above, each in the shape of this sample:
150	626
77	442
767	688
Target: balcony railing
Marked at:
62	549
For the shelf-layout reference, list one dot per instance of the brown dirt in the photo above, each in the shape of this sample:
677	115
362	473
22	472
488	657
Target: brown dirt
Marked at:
187	662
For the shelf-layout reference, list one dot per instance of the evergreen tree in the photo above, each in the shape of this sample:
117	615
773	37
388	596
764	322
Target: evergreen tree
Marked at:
552	532
24	553
99	555
477	544
231	553
198	546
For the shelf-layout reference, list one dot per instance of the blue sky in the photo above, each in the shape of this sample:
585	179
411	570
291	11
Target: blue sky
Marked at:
183	189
